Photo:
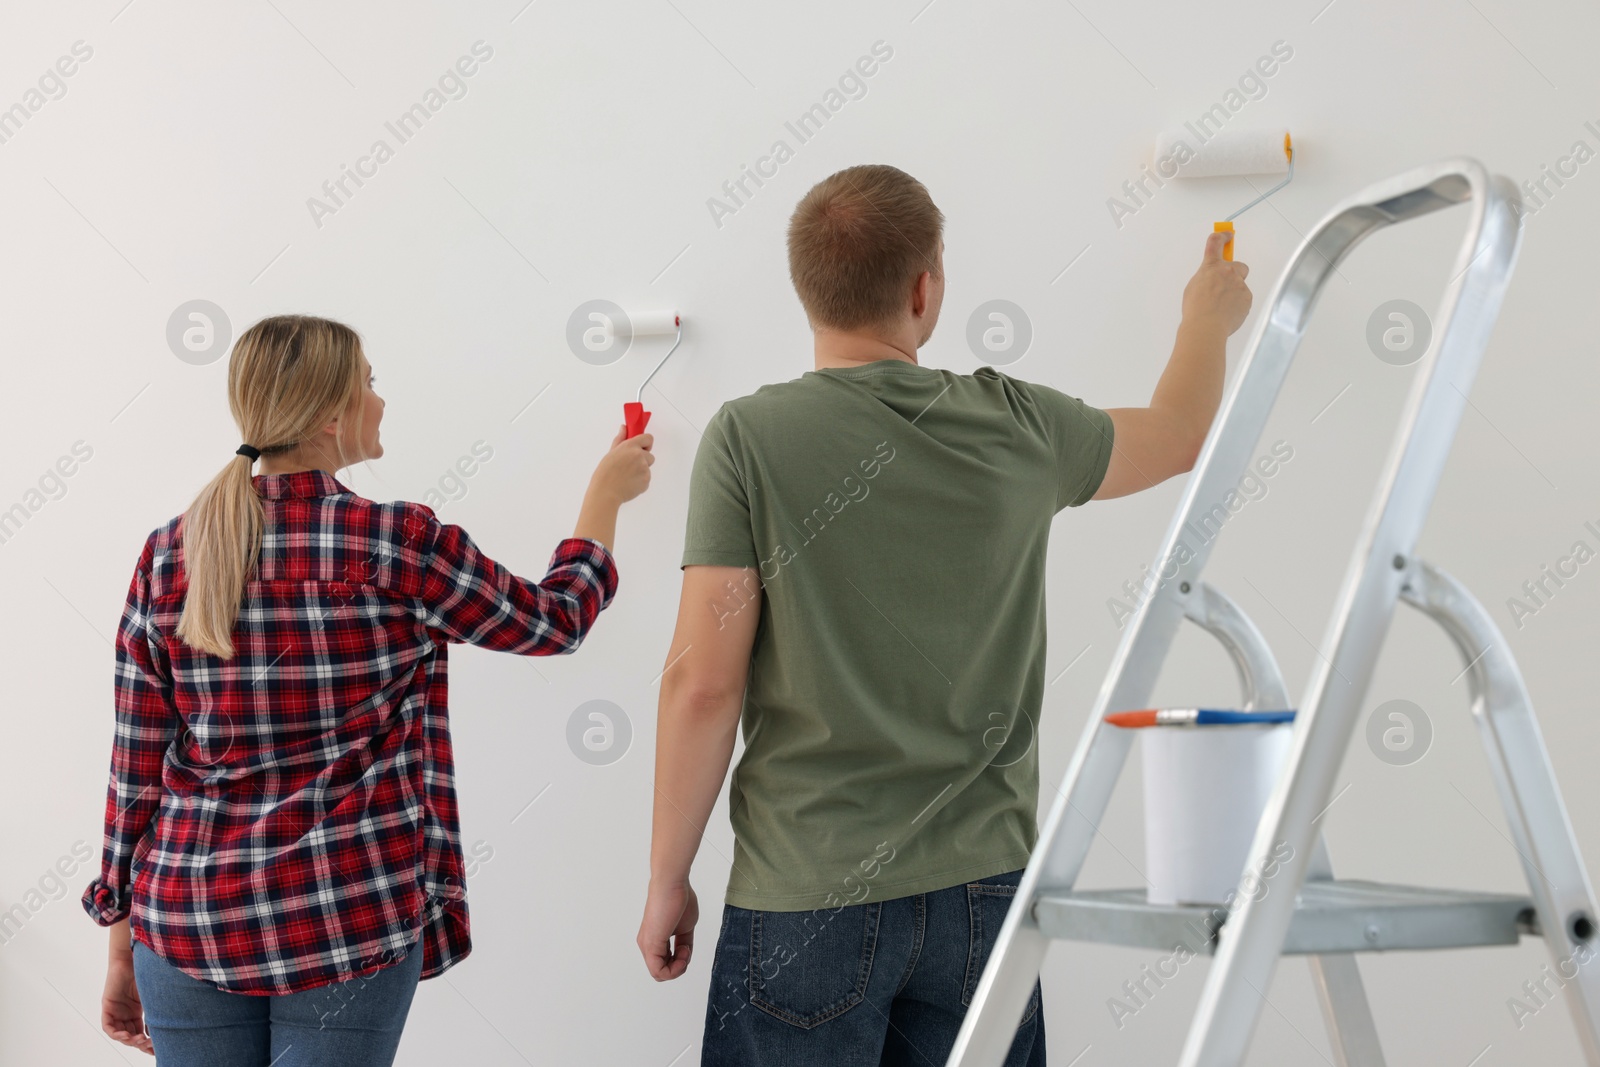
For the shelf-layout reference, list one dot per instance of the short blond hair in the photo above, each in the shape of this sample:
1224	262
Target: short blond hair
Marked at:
857	241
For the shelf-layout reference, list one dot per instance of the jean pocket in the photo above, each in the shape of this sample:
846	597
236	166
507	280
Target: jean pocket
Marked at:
807	967
987	904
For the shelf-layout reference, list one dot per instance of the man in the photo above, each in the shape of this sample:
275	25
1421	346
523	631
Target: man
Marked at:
864	589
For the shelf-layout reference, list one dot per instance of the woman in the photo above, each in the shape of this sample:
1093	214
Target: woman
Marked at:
281	815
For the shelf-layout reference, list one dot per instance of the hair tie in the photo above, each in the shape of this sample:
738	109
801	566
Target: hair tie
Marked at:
246	450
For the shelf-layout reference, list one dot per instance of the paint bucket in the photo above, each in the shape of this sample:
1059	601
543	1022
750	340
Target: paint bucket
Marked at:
1205	788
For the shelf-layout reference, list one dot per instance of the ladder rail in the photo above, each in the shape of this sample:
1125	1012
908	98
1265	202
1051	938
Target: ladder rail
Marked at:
1261	684
1519	762
1230	1002
1098	758
1346	1011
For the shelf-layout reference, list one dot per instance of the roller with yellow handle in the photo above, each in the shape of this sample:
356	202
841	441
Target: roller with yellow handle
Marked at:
1186	153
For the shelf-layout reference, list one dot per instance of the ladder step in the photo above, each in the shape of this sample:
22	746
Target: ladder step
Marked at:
1343	915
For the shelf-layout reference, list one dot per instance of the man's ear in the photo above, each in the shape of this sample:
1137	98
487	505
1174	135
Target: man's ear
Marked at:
920	294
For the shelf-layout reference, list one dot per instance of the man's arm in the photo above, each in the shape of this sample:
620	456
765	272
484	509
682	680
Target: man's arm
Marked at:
702	692
1151	444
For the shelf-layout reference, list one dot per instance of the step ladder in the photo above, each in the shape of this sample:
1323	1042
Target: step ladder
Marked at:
1305	909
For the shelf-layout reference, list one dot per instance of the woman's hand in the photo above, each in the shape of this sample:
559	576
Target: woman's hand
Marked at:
666	936
624	471
121	1012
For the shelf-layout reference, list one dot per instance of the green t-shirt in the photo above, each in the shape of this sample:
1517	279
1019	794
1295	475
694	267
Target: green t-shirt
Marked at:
898	516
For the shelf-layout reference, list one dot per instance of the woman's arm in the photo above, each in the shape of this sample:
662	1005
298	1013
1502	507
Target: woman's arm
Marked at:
121	940
468	597
623	473
121	1011
147	722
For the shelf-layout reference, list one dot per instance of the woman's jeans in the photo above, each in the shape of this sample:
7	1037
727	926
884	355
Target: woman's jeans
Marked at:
356	1023
881	984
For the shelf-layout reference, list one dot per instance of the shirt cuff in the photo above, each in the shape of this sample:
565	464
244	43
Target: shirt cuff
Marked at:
588	552
104	904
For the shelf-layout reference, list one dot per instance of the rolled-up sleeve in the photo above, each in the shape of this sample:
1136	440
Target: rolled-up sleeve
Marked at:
147	722
469	598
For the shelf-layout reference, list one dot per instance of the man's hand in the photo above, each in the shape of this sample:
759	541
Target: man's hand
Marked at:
121	1013
1217	292
1154	443
666	936
697	722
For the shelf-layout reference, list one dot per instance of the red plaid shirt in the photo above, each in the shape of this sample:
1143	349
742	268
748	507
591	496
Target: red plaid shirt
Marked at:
287	818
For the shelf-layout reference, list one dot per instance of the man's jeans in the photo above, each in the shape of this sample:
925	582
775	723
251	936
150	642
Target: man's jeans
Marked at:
879	984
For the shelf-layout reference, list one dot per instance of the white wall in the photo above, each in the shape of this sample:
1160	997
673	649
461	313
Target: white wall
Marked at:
178	164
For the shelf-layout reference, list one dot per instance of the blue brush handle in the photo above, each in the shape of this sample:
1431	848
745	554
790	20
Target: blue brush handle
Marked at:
1211	717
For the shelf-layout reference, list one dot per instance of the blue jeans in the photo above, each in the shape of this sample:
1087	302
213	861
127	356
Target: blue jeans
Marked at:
878	984
356	1023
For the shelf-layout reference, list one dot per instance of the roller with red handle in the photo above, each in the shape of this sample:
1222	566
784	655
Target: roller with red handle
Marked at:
635	417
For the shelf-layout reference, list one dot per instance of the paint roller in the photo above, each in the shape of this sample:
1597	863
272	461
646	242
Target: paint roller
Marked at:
649	324
1227	152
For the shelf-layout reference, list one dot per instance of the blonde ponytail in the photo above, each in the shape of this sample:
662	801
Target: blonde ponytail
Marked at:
288	377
